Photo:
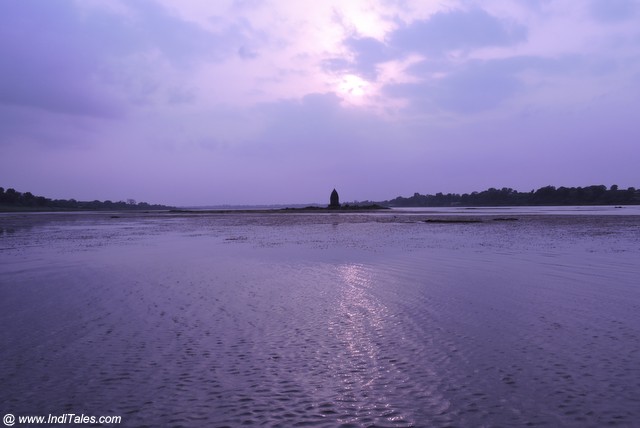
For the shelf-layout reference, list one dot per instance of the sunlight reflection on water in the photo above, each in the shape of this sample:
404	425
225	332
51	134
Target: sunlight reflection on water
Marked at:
359	325
361	313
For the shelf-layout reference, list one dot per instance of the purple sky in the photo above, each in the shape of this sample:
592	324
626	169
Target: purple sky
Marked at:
256	102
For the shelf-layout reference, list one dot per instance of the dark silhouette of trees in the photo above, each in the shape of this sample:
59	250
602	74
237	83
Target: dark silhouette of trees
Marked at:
13	200
548	195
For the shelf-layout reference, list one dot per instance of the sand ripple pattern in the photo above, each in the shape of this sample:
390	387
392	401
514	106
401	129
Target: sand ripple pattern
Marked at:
234	322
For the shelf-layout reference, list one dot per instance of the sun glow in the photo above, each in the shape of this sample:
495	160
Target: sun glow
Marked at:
353	86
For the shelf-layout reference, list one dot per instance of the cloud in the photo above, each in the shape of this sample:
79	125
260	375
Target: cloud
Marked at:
246	53
456	30
317	123
62	59
476	86
266	99
612	11
47	61
25	127
367	53
466	85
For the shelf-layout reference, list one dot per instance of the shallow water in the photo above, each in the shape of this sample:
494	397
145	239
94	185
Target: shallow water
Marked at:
363	319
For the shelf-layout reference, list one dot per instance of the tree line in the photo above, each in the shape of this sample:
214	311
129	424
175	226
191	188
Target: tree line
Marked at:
548	195
13	200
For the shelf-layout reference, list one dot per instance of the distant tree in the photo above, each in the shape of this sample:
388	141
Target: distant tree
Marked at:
544	195
28	199
548	195
11	196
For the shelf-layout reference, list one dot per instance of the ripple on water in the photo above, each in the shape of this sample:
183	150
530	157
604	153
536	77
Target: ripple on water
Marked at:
322	325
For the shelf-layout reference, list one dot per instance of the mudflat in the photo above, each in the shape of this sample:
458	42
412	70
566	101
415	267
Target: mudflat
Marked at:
394	318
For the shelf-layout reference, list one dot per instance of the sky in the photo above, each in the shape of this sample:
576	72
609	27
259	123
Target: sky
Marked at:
244	102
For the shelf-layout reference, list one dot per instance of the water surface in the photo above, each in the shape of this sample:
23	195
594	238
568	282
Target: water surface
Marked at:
362	319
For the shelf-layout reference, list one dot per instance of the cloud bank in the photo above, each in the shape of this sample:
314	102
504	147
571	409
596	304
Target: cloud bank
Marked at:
243	102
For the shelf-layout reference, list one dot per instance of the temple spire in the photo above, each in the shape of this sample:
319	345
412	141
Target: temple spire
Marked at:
334	200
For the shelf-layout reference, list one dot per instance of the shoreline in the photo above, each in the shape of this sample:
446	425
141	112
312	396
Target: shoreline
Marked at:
317	209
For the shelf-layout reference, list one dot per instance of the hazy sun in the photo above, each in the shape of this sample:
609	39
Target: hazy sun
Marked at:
353	86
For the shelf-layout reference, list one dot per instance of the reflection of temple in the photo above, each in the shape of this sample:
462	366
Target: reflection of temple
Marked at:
334	200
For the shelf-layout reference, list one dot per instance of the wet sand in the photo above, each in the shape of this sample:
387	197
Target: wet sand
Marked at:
320	319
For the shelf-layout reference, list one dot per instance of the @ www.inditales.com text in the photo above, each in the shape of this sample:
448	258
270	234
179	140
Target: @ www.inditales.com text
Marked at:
66	418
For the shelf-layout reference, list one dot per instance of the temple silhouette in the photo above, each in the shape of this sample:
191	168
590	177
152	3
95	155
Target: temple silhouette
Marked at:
334	200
